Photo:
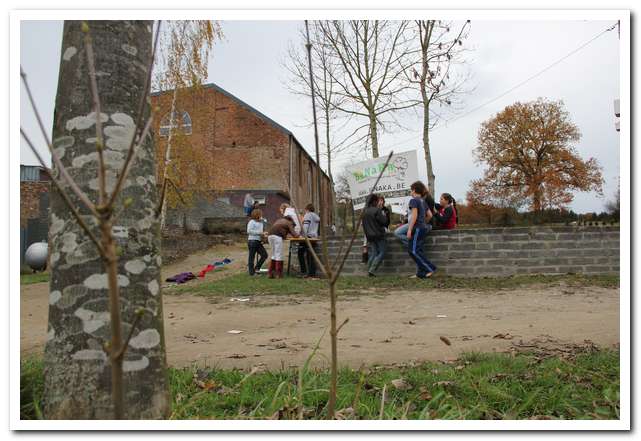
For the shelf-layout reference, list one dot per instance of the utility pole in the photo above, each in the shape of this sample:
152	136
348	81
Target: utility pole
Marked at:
308	46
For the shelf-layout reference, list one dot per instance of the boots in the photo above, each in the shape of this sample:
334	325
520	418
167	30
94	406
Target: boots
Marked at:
279	269
270	268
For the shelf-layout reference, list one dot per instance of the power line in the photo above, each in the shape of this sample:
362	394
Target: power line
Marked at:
521	83
533	76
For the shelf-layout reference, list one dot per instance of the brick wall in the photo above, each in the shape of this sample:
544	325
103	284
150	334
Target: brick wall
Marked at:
30	193
503	252
244	150
240	148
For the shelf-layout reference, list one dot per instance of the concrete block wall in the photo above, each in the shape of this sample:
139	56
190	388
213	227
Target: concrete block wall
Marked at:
502	252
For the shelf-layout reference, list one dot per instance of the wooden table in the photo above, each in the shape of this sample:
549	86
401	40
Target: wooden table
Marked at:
298	241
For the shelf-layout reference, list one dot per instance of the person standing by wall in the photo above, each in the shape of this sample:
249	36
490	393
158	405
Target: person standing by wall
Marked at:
374	224
311	222
286	210
248	204
277	234
386	211
417	231
401	231
254	242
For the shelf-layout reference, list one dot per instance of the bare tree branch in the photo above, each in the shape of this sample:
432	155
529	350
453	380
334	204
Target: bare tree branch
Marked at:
358	224
141	110
64	195
63	171
102	186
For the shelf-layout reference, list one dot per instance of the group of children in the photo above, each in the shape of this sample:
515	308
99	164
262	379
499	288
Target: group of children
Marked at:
423	215
288	225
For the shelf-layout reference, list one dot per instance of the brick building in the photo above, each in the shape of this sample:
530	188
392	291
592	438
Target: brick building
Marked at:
34	206
244	151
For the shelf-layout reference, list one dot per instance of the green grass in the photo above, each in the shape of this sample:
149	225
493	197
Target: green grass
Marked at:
27	279
243	284
477	386
31	388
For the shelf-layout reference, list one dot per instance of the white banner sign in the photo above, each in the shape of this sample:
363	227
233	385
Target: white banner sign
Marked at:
395	182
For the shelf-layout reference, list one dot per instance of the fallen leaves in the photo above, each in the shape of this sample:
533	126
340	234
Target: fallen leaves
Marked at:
424	394
345	414
401	384
206	385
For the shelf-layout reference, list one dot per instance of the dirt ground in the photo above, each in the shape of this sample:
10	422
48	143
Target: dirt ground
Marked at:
384	328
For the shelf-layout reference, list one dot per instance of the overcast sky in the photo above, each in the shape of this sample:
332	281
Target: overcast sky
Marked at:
248	64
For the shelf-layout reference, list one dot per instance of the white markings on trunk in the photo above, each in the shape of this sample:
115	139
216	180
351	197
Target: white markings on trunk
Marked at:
135	266
146	339
90	354
69	53
54	296
153	287
136	365
83	122
100	281
91	320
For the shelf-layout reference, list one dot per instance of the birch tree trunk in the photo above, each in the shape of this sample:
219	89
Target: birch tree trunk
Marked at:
163	212
77	368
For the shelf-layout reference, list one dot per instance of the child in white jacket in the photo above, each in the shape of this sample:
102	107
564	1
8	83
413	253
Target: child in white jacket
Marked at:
254	241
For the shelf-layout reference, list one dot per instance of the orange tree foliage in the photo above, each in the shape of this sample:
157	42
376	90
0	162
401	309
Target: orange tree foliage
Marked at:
182	156
530	158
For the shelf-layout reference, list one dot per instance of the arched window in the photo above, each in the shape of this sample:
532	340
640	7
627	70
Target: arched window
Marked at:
180	120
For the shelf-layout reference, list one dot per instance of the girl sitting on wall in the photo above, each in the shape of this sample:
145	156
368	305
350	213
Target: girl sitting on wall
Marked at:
446	215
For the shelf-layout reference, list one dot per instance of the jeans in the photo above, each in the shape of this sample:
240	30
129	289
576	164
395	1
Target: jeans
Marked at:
375	253
416	250
255	246
401	234
306	260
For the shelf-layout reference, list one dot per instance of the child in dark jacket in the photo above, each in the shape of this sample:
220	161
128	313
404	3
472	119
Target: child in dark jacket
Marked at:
374	223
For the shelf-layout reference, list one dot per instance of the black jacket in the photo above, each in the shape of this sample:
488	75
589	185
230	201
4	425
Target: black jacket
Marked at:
374	223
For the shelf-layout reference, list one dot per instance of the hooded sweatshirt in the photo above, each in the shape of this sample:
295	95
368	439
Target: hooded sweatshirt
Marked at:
289	211
311	221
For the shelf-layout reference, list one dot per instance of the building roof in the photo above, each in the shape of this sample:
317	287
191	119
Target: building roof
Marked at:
259	114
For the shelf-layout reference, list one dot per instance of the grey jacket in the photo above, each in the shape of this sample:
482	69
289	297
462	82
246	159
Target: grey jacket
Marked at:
311	222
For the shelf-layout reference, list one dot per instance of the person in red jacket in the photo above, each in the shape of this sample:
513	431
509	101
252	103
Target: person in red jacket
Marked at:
446	215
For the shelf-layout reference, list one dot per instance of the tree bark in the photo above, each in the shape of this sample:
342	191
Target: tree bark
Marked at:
426	144
374	135
78	372
331	404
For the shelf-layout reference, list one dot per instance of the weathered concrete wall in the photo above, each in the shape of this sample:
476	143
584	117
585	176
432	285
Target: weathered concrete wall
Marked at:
503	252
